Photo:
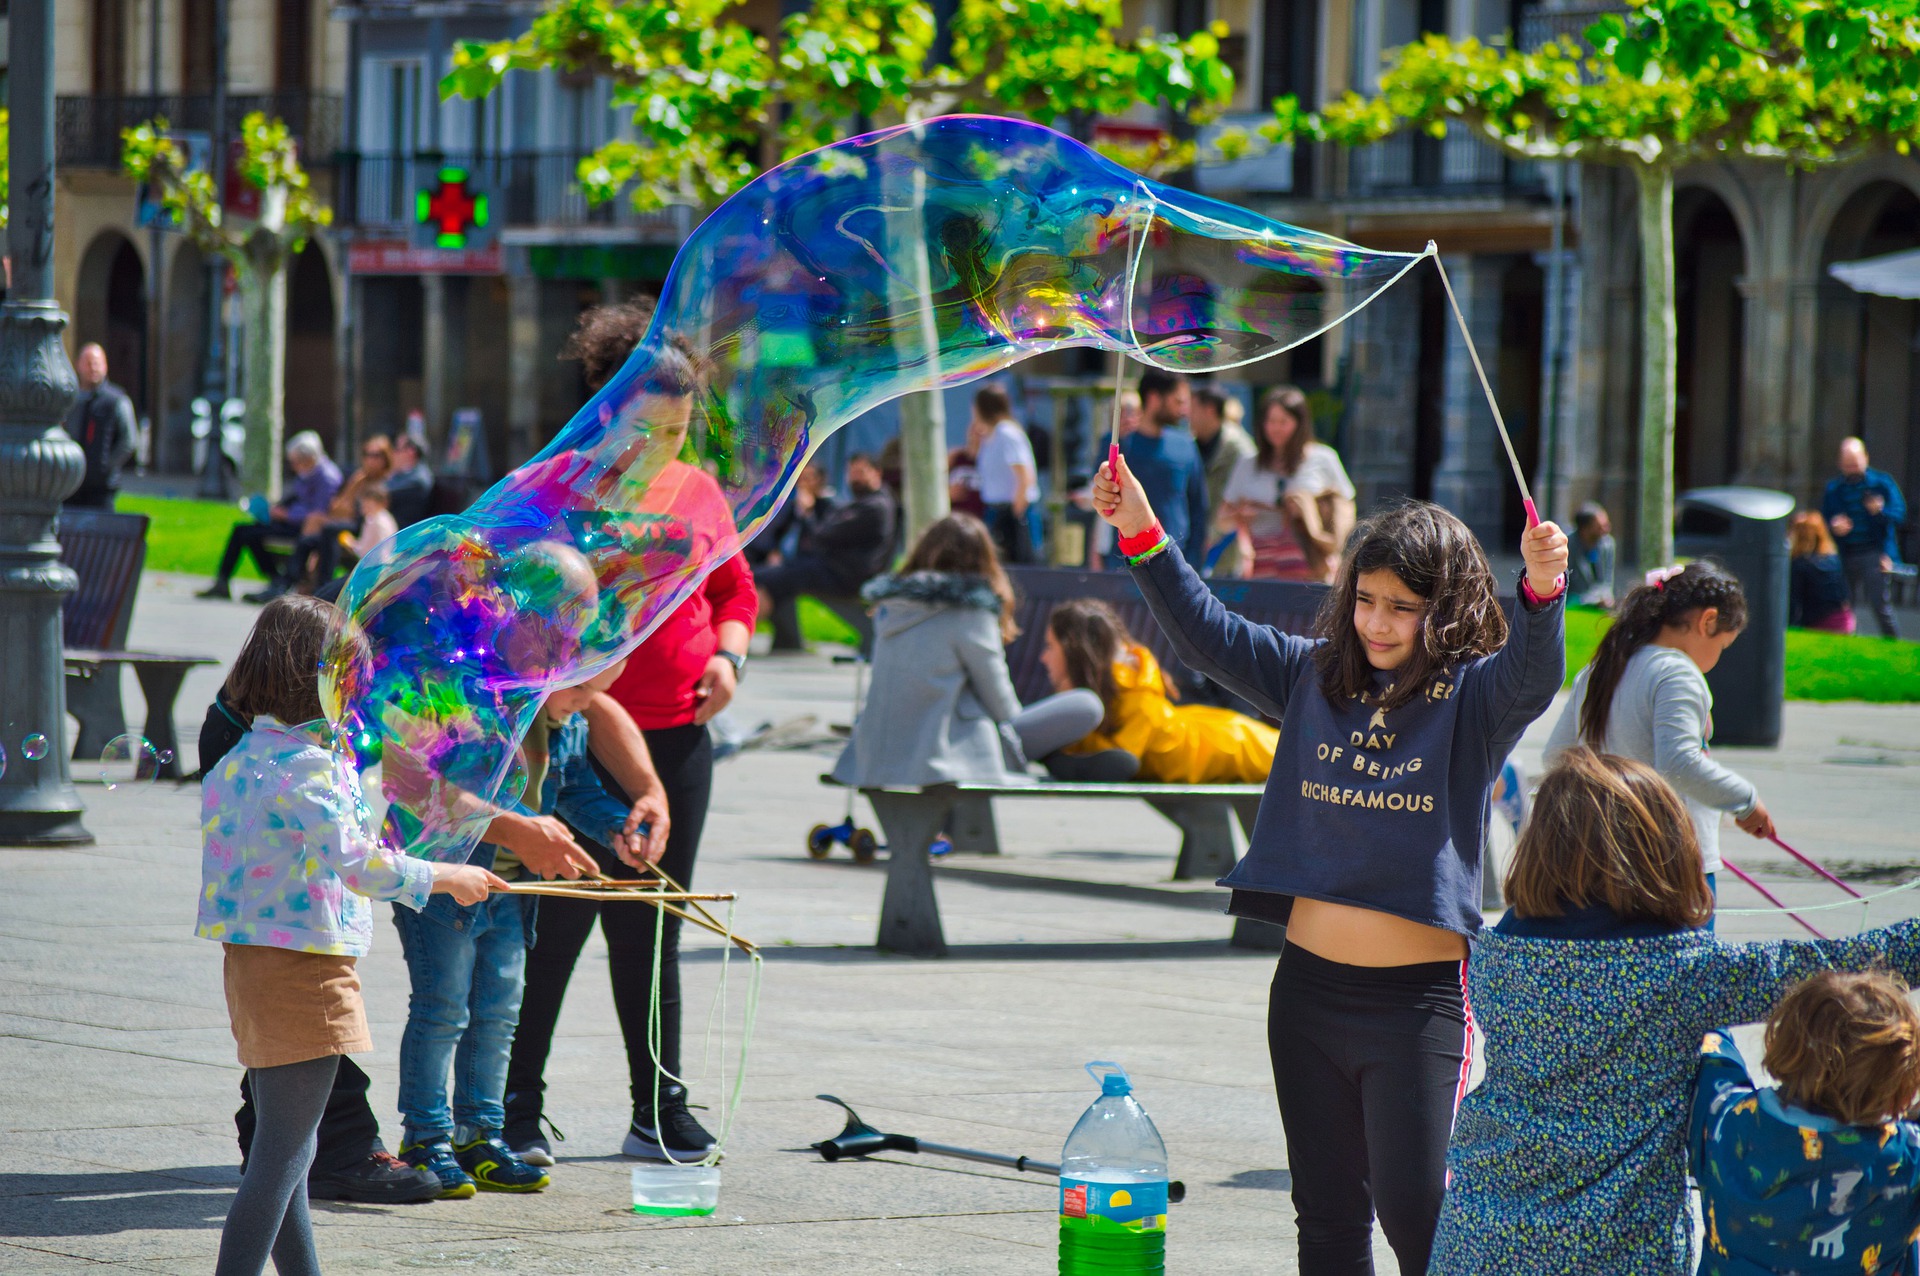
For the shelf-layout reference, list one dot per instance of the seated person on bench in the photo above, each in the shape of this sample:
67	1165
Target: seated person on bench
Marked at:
941	708
839	550
316	480
1088	646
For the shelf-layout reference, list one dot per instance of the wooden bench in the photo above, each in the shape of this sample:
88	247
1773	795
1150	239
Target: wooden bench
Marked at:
107	552
913	817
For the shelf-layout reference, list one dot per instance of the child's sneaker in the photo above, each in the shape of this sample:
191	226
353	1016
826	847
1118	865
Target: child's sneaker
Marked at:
670	1132
526	1140
495	1168
437	1157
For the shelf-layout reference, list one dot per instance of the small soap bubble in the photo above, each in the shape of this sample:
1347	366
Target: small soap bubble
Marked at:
34	747
3	760
129	760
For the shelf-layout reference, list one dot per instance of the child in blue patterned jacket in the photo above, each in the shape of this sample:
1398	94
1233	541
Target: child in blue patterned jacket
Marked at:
1820	1175
468	962
289	860
1595	990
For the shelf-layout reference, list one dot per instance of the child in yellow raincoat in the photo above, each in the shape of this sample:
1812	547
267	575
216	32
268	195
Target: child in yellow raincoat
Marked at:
1088	646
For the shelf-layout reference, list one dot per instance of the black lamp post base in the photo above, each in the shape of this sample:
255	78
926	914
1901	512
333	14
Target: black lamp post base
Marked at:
43	828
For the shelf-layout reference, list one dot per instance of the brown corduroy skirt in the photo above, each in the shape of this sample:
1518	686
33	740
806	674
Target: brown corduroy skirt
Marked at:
288	1006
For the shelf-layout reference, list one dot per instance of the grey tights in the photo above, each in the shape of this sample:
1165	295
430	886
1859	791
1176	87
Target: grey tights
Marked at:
269	1214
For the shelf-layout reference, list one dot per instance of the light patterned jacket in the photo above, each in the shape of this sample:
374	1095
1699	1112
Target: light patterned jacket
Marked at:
289	855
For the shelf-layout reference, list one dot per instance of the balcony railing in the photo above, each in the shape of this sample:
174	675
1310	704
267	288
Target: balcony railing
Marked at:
1541	23
525	189
1412	165
87	129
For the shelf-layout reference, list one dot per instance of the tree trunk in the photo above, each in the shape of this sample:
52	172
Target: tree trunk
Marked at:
1658	355
264	286
923	415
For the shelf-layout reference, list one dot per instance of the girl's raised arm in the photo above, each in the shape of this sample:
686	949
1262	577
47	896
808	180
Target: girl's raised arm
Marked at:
1748	979
1521	678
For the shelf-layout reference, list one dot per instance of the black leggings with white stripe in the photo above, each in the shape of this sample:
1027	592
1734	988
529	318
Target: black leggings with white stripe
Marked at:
1369	1063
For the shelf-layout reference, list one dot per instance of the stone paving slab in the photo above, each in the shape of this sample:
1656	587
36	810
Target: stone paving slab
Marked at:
1073	946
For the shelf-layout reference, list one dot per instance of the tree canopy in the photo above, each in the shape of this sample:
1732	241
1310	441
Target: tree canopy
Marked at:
1659	87
713	102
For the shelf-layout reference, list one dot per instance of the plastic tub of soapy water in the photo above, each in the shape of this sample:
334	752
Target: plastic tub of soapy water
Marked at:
676	1191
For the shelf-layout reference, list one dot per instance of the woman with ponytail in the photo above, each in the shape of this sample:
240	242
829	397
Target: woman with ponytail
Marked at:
1645	696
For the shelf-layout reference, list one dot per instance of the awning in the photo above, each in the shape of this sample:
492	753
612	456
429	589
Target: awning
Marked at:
1892	275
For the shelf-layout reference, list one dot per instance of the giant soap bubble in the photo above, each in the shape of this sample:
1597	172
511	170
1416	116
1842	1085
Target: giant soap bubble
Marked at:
931	253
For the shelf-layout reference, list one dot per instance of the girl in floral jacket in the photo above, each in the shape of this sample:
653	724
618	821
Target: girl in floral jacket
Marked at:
289	860
1594	992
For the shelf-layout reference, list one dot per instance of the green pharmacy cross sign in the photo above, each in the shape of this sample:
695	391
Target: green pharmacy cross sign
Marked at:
451	213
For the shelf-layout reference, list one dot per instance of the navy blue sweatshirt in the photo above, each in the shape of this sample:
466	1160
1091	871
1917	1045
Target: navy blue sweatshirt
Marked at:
1385	810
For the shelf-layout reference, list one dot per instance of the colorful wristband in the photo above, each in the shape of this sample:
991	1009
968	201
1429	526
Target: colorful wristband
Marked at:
1144	541
1526	590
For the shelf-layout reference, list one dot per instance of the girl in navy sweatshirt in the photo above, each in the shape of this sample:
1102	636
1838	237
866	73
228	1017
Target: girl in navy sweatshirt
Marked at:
1395	720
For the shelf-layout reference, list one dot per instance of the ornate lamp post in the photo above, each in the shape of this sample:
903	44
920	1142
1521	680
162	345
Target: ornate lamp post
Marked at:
39	465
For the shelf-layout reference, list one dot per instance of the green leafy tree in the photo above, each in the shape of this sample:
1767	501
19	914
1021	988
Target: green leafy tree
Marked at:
714	103
1660	88
259	248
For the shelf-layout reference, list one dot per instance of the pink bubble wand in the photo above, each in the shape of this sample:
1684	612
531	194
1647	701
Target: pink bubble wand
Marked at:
1815	867
1769	896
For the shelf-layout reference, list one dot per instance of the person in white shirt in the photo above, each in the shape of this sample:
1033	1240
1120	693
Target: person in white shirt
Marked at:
1291	501
1009	486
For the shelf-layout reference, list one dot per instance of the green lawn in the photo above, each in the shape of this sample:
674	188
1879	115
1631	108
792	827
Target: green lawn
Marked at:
187	536
1820	666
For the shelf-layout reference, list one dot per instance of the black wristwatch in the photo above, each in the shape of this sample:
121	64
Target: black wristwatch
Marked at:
734	658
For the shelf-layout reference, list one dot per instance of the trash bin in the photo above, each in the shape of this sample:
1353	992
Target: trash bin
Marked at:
1745	530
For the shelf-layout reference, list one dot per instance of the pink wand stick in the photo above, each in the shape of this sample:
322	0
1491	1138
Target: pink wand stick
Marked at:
1769	896
1815	867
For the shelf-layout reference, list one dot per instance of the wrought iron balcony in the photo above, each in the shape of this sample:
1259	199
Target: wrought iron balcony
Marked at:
1412	165
524	190
87	129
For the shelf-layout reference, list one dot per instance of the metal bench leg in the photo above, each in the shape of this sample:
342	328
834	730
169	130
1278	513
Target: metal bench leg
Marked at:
160	684
909	913
94	701
971	825
1206	843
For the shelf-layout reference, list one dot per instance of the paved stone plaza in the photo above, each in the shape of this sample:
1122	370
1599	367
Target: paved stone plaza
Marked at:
116	1138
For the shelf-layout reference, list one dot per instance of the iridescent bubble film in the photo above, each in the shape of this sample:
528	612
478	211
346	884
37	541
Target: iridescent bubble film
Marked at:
34	747
928	254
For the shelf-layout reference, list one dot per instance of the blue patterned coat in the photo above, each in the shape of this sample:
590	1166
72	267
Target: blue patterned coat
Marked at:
1571	1155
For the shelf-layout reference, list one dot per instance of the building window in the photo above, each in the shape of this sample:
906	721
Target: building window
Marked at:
293	50
109	47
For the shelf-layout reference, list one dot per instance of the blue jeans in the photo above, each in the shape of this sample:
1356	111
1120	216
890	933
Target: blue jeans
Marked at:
468	966
1713	888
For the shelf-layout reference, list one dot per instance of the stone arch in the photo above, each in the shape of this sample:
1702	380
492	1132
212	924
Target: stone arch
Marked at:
1713	253
312	379
111	309
1835	194
1866	373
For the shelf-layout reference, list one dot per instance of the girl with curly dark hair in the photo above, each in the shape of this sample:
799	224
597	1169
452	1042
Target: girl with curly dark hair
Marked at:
1395	721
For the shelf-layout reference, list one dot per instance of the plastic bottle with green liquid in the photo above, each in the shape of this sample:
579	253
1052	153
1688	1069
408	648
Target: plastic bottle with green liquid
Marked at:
1113	1186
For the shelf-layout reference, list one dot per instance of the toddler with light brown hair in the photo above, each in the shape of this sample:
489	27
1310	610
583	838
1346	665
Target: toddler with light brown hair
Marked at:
1594	992
1821	1173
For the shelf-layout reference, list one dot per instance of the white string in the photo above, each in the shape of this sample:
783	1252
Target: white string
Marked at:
730	1105
1862	903
1513	458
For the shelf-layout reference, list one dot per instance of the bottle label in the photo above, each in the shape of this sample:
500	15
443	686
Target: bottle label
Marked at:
1138	1205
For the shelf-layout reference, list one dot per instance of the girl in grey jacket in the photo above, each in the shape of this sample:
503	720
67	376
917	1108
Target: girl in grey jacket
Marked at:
1645	696
941	708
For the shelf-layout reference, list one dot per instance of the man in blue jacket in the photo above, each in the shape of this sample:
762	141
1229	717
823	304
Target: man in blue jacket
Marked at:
1166	460
1864	509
